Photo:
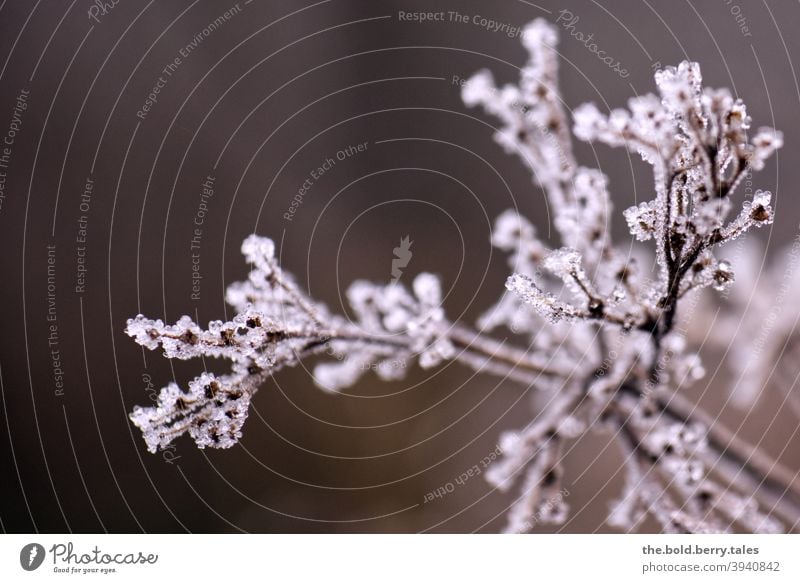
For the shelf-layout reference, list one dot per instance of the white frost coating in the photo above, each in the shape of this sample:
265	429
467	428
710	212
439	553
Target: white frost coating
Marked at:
333	376
539	38
428	290
478	88
563	262
642	220
601	328
589	122
260	252
511	230
680	87
212	412
696	140
547	305
765	143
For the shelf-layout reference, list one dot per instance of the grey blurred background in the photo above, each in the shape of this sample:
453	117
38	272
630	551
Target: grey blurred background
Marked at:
258	104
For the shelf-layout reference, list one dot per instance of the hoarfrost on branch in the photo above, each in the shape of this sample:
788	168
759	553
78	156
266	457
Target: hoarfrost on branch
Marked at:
572	304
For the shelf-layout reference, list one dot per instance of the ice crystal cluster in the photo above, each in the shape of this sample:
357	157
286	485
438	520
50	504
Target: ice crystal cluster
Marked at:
599	322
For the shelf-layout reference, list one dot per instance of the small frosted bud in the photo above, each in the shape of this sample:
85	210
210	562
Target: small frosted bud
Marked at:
723	275
737	117
478	88
145	331
510	229
258	247
647	115
619	121
539	33
760	209
680	88
641	220
765	143
260	252
563	262
428	289
589	122
509	441
571	427
440	351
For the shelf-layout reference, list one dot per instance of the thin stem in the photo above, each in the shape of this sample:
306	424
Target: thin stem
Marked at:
463	337
300	300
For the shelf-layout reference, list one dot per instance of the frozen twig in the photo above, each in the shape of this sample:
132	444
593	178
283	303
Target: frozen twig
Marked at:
602	339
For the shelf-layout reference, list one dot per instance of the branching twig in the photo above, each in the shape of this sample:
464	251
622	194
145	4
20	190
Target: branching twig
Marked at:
606	346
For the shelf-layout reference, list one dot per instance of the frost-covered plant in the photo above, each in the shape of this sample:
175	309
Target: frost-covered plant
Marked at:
601	334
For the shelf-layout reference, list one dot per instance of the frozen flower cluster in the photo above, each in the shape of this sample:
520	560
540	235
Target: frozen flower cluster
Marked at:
277	325
601	339
591	304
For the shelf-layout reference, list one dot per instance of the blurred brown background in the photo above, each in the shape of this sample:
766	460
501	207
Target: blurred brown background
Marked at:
264	98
